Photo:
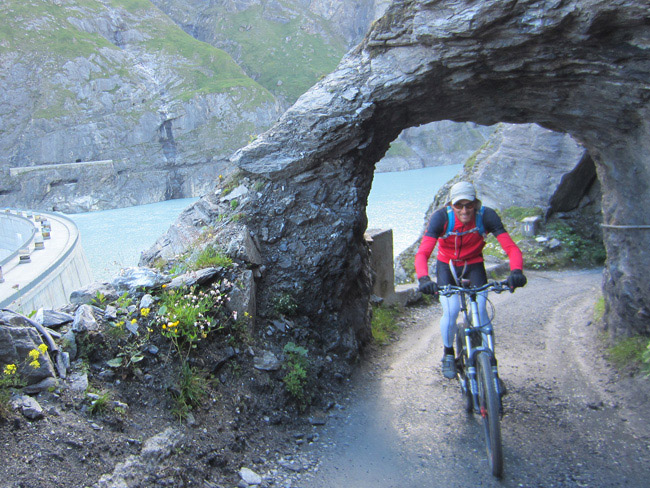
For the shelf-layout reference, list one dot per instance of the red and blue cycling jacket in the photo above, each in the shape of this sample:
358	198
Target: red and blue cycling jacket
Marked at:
464	243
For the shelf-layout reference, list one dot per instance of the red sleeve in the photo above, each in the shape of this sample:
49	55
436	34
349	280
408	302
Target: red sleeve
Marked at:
423	254
512	250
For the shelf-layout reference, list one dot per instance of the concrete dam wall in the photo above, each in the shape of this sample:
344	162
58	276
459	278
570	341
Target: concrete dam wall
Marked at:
41	261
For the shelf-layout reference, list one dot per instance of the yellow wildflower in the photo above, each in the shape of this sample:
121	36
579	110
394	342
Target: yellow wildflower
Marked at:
10	369
34	354
42	348
144	312
134	321
165	285
174	324
35	364
164	326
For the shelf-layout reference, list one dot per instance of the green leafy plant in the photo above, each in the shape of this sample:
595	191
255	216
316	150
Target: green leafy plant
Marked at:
628	353
234	204
99	299
297	373
192	390
9	380
130	354
187	316
383	324
211	257
98	402
285	304
117	330
124	301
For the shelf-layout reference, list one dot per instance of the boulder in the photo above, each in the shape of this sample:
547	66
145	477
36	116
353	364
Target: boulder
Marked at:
16	342
93	293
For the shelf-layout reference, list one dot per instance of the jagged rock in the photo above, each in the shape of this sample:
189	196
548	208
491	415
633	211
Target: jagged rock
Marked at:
267	362
69	344
242	296
91	293
147	301
43	385
85	320
192	278
522	165
52	318
135	279
28	406
250	477
137	468
78	382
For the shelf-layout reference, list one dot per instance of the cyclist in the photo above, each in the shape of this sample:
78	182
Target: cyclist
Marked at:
460	229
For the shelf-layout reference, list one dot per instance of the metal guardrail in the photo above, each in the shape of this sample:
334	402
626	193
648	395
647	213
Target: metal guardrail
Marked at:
27	241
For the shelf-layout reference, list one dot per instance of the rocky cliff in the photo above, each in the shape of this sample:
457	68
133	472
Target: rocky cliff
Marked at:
578	67
115	81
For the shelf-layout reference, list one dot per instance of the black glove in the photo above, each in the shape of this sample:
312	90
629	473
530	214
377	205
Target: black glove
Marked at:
516	279
427	286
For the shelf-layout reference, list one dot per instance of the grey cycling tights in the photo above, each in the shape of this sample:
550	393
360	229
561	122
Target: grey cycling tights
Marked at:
450	311
477	276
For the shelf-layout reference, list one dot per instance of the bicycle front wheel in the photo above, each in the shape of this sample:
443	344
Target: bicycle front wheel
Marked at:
489	411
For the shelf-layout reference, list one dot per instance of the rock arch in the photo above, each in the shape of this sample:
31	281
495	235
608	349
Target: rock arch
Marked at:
575	66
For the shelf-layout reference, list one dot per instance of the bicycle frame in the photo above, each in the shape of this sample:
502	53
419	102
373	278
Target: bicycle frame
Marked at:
471	330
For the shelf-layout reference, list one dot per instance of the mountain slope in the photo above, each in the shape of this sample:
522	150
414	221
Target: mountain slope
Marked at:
286	45
116	79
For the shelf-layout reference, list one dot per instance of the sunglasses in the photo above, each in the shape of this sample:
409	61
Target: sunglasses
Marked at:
460	206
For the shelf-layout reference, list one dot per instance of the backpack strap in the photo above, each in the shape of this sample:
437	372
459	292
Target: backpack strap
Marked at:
451	221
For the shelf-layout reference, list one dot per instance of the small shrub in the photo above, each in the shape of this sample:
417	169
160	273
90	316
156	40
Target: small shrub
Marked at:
99	300
98	403
628	353
130	354
234	204
297	373
192	390
383	324
124	301
285	304
187	316
211	257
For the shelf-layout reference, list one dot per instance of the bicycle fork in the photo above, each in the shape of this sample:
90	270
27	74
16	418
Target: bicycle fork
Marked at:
487	346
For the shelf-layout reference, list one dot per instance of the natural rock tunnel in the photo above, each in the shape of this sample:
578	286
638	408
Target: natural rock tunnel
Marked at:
575	66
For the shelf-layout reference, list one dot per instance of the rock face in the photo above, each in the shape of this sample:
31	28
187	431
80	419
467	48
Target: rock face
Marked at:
576	67
435	144
524	165
101	99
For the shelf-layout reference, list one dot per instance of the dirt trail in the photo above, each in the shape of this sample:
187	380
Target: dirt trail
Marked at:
569	420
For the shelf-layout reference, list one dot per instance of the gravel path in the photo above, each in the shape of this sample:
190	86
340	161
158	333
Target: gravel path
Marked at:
569	420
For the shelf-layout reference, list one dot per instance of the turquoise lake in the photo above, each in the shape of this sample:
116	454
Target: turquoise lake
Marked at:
114	239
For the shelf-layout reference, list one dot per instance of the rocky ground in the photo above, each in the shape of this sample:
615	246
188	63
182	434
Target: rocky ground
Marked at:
570	419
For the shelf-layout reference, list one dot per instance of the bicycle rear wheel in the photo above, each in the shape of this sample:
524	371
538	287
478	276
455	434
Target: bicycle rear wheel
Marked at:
489	411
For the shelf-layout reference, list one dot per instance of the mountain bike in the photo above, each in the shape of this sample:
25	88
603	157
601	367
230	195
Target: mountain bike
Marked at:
477	367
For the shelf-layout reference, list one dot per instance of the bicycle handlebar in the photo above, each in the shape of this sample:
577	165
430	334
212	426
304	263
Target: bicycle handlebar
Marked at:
495	286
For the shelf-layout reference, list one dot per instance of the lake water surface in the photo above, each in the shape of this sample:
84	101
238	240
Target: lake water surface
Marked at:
114	239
